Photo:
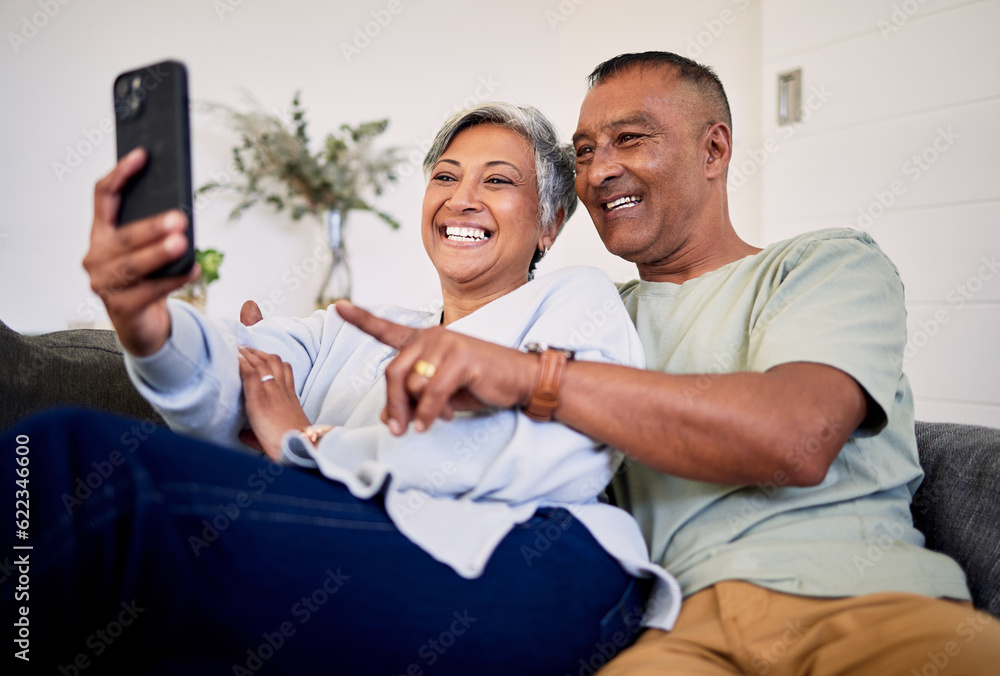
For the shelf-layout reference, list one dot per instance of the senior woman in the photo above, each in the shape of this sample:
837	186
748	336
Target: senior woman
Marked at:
477	546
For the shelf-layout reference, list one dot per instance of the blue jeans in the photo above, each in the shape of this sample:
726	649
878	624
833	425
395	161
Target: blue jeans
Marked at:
174	556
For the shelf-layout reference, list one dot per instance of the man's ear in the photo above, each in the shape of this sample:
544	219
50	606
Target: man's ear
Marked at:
719	150
550	231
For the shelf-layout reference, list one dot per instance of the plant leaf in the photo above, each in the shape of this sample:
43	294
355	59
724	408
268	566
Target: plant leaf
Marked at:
274	163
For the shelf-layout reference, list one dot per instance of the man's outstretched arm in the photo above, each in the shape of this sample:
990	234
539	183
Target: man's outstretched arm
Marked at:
734	428
739	428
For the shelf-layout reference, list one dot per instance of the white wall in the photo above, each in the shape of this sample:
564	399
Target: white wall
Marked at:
431	57
898	80
890	96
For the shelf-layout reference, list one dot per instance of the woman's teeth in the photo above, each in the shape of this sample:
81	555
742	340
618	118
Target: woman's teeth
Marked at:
623	203
466	234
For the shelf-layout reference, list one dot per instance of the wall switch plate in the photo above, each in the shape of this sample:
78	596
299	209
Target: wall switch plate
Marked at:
790	97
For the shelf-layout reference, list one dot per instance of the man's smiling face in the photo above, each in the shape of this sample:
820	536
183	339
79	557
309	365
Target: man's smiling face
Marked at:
639	165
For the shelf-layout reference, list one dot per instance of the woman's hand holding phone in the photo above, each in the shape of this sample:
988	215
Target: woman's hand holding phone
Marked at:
120	258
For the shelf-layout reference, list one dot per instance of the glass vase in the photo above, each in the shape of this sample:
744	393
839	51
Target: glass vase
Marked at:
337	282
194	294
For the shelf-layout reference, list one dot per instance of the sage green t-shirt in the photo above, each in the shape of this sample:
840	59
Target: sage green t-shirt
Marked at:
830	297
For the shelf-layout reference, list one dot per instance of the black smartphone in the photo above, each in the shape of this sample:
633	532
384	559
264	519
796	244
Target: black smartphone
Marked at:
151	110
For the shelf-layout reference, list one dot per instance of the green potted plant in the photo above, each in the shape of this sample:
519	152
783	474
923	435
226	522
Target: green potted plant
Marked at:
277	167
196	293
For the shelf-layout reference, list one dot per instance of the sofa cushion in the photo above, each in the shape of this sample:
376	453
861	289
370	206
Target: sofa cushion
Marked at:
81	367
957	507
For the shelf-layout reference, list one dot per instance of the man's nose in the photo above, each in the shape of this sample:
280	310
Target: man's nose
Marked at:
604	166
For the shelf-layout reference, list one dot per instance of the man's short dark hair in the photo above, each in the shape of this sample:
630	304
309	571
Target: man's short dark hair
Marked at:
701	78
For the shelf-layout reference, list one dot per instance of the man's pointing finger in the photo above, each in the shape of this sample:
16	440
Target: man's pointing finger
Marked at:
390	333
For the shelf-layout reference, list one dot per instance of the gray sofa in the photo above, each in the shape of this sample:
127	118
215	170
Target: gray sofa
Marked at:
957	507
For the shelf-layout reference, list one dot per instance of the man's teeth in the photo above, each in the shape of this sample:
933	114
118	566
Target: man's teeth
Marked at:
623	203
466	234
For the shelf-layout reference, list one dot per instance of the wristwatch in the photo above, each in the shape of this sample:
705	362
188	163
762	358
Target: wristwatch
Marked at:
552	365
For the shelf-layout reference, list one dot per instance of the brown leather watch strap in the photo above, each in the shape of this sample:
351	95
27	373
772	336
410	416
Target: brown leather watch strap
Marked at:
545	400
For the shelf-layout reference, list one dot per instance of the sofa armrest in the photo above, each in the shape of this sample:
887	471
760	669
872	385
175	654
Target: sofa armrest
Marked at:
957	507
76	368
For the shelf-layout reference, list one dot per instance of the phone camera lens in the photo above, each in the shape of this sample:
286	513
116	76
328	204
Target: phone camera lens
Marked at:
121	109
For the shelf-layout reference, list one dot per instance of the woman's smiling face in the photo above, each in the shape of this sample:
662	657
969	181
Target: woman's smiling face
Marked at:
480	213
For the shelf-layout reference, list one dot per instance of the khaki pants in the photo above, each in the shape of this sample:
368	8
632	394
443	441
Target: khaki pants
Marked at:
740	628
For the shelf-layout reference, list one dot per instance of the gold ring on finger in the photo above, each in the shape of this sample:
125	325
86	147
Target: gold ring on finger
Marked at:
424	368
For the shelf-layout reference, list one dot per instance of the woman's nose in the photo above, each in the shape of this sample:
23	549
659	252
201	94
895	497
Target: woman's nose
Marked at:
465	196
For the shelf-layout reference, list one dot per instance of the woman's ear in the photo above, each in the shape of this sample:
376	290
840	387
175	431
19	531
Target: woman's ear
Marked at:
551	231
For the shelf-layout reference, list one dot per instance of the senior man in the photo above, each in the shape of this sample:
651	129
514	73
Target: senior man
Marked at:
773	428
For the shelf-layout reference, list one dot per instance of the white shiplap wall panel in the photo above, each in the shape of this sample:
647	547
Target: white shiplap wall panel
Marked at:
925	65
935	249
952	351
888	97
940	251
834	175
795	25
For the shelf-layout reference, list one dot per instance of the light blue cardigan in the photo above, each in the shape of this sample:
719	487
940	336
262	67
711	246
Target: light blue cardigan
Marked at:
457	489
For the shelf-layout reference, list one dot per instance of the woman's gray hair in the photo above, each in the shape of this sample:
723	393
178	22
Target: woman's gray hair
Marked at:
555	163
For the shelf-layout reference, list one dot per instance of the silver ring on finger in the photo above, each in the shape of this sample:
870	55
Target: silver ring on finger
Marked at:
266	378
